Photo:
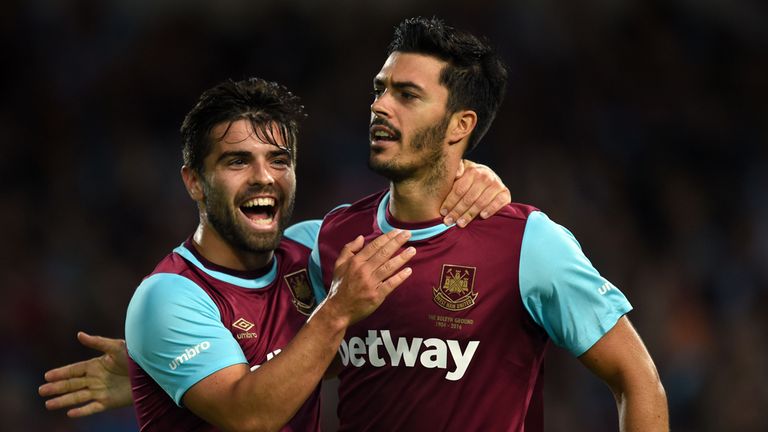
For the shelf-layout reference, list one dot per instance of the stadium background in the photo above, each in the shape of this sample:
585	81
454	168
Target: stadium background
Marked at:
640	125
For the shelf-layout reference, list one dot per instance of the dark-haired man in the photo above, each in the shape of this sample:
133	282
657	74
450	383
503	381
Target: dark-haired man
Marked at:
459	346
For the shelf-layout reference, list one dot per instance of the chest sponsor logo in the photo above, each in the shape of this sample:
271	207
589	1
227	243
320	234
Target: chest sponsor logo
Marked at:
244	325
456	290
379	349
301	290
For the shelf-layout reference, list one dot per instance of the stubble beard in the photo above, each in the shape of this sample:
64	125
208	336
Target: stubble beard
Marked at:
428	140
223	218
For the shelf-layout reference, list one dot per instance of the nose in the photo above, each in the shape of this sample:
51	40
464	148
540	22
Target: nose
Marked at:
260	173
379	107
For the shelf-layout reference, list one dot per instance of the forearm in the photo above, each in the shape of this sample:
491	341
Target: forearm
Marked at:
643	410
620	359
267	398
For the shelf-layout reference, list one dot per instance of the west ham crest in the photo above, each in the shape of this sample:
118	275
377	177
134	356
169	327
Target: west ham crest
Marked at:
457	288
303	297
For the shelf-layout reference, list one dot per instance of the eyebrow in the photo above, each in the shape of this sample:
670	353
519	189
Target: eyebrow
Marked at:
399	85
281	151
234	153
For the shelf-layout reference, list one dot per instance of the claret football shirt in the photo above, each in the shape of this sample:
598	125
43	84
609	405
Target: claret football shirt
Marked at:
191	318
459	345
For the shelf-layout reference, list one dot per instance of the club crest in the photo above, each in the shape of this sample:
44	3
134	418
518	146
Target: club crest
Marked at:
301	290
457	288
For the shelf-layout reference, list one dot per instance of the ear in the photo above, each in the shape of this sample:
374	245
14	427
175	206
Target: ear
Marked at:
462	124
193	183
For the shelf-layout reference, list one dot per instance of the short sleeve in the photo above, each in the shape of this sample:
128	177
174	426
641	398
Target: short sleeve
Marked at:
562	291
173	330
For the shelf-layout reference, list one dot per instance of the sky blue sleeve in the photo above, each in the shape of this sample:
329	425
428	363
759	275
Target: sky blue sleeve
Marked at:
173	330
561	289
304	232
316	275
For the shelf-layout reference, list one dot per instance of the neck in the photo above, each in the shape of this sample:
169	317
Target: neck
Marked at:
217	250
419	199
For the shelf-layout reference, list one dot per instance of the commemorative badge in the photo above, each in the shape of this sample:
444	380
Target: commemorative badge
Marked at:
301	290
457	288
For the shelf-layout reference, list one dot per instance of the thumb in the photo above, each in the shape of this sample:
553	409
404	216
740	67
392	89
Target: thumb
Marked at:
105	345
349	250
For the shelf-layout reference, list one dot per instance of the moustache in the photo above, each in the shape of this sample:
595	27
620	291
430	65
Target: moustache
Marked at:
378	121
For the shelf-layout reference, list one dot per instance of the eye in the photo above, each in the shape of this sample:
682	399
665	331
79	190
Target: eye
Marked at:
406	95
281	162
236	162
377	92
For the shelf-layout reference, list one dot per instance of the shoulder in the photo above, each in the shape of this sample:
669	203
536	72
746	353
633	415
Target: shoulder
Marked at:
304	232
161	291
346	212
517	211
509	222
511	213
544	236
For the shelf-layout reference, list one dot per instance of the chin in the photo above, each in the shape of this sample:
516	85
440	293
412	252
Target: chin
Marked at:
262	242
389	169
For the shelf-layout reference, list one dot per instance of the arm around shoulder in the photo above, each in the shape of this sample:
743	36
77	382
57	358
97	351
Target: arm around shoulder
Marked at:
621	360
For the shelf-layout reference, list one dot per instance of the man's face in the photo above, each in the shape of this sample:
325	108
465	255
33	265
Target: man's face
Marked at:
249	187
408	116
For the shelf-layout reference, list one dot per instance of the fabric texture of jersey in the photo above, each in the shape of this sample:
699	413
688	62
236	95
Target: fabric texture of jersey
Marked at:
459	345
191	318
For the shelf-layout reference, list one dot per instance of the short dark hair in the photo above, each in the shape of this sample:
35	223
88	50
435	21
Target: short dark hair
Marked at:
264	103
475	75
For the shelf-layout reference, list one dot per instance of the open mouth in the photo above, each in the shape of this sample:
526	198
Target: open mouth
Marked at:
383	133
261	210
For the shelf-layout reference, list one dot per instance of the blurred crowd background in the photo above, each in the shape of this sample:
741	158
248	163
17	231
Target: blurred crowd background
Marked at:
641	125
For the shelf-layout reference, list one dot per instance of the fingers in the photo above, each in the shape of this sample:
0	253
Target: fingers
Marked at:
86	410
69	399
488	203
353	247
467	195
497	203
349	250
366	277
63	386
393	264
460	188
390	284
69	371
382	247
478	191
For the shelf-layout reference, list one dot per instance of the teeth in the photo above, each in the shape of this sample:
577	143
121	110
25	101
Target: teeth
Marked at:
381	134
260	202
265	221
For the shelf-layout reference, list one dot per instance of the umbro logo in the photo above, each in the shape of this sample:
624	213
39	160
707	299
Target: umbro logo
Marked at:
242	324
605	288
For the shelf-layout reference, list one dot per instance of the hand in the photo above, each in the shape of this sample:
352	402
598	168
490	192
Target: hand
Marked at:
100	383
362	279
477	190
